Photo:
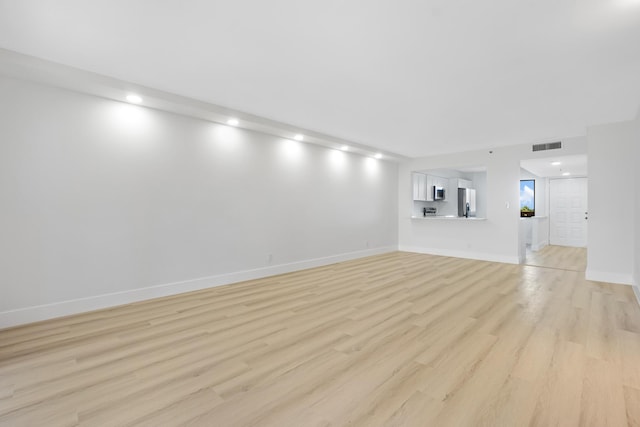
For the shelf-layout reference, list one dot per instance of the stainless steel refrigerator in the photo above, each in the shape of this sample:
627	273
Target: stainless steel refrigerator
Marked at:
466	202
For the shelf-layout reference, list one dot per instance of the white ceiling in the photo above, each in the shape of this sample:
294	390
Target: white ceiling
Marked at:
574	165
406	76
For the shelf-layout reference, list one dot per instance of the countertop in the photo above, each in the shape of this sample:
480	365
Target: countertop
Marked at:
449	217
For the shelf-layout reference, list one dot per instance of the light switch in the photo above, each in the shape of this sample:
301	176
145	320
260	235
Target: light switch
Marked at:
506	205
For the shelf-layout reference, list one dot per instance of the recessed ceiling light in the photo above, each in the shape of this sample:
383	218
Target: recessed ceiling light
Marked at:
134	99
566	173
378	156
556	163
345	148
298	137
232	122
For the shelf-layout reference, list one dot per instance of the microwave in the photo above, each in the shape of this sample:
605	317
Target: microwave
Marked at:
438	193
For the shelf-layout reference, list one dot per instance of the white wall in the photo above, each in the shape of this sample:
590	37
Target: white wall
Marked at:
636	224
105	203
480	184
497	238
611	201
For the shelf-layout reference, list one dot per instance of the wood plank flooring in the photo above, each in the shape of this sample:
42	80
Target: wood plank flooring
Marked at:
563	257
399	339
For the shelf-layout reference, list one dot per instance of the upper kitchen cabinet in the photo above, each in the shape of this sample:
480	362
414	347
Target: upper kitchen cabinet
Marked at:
424	186
465	183
421	187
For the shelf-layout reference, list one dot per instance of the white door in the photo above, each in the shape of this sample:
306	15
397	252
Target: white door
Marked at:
568	212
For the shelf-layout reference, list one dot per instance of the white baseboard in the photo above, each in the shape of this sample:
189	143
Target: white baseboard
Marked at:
608	277
481	256
65	308
539	245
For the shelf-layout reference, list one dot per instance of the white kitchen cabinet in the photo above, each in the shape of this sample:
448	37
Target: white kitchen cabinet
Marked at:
419	186
465	183
430	184
423	186
440	182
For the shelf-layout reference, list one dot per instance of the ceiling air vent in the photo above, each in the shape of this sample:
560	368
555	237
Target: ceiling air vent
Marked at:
547	146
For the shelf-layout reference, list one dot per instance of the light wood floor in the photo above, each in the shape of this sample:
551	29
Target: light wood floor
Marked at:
564	257
399	339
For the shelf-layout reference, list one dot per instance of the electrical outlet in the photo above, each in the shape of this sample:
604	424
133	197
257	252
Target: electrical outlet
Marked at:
269	258
366	243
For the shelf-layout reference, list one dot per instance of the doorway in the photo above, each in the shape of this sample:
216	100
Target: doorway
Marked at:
554	235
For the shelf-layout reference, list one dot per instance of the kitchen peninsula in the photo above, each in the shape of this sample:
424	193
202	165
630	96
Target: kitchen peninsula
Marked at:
449	217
